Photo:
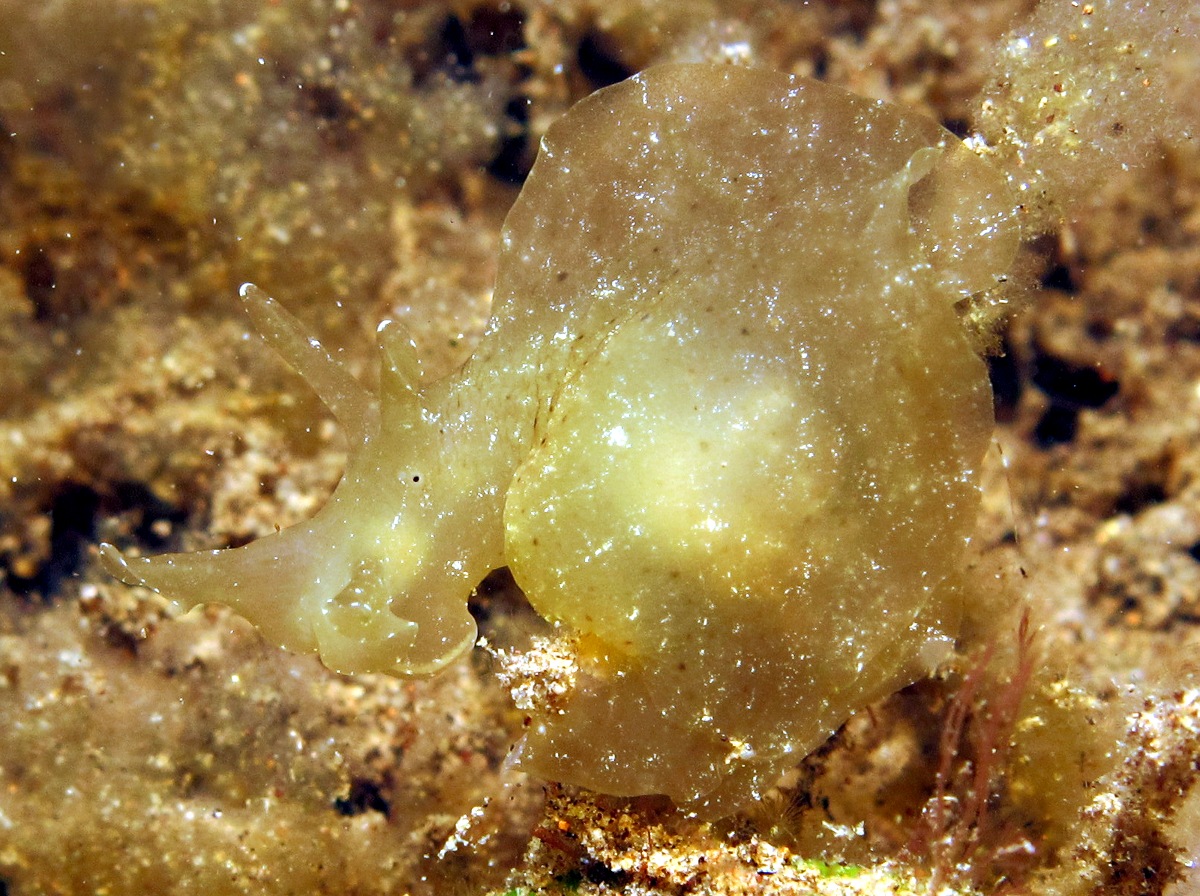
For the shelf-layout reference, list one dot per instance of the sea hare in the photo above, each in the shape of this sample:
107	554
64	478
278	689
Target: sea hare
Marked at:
724	428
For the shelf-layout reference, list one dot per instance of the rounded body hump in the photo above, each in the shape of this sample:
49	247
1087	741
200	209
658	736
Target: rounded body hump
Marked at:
752	489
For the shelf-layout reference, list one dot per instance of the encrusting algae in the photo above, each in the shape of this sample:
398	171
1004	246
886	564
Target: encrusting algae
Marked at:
736	463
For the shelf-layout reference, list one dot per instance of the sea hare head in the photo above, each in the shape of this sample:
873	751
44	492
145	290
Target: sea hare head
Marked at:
724	429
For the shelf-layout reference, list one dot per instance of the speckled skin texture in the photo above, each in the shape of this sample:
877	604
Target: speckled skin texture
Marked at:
744	421
751	497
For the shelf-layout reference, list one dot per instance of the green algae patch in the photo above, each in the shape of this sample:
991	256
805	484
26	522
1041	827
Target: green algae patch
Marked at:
830	869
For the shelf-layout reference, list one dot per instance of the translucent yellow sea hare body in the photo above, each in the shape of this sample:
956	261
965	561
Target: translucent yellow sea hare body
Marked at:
724	428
